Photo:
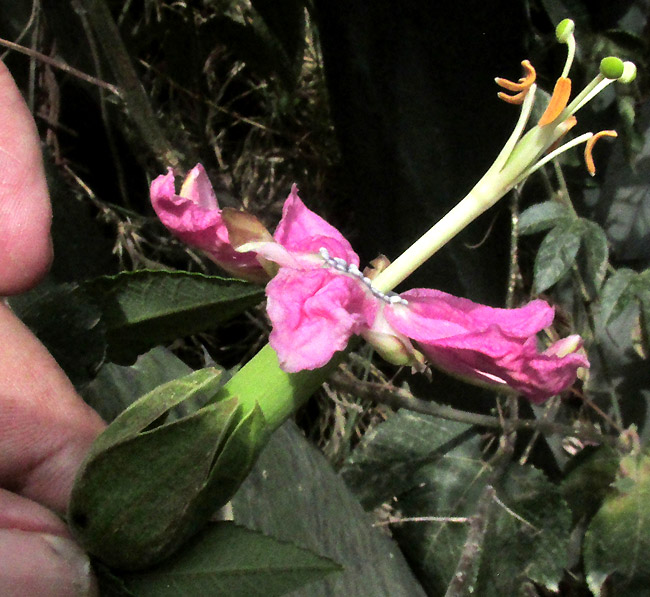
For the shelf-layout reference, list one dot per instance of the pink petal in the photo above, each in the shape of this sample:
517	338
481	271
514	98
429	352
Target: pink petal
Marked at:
314	313
488	346
488	358
198	188
302	231
195	223
437	313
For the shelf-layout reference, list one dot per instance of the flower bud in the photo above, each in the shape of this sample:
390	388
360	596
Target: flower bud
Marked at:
149	483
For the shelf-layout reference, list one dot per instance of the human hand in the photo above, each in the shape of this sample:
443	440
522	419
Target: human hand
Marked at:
45	427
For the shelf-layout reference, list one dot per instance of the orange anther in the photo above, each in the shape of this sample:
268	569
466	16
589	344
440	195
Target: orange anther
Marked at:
512	99
589	147
521	87
559	101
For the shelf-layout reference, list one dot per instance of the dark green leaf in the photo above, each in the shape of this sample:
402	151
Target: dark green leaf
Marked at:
446	482
226	560
643	296
617	294
446	489
385	462
618	538
156	473
116	387
557	254
624	198
68	323
588	478
294	494
529	539
542	216
594	242
145	308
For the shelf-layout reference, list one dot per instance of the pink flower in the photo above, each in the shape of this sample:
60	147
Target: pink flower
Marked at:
319	299
194	217
314	309
488	346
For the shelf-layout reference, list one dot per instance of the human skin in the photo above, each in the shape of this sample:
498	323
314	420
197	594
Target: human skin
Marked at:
45	427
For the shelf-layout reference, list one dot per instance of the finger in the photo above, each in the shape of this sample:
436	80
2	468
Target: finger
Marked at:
25	213
17	512
46	427
42	565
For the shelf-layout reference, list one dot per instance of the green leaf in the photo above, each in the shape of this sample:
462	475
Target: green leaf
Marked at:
115	387
152	408
617	293
624	197
226	560
529	539
445	481
293	494
140	491
145	308
557	254
618	538
542	216
587	479
448	480
643	296
385	462
64	319
239	454
594	242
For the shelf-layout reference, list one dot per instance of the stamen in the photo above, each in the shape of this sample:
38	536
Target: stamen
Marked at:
521	87
564	34
589	147
344	267
551	156
516	100
559	101
562	130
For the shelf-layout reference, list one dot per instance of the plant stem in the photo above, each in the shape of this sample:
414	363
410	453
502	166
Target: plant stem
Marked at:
401	398
470	559
278	394
60	65
135	99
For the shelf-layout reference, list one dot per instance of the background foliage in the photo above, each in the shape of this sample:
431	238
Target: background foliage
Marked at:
385	115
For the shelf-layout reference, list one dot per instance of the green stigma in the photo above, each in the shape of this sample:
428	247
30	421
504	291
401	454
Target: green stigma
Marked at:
612	67
564	30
